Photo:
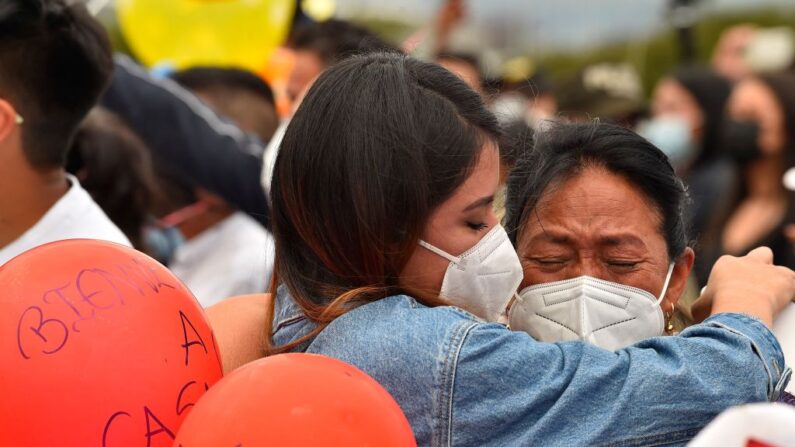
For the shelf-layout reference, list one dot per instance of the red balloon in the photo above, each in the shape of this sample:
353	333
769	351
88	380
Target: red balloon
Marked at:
99	346
296	399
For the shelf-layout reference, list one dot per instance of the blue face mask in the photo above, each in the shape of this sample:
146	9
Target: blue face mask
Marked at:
161	242
674	137
162	236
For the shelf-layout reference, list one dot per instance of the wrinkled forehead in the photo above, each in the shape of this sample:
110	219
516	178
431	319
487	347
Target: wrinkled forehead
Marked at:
592	207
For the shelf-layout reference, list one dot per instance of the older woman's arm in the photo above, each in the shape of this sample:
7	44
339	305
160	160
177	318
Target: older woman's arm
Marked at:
664	389
659	391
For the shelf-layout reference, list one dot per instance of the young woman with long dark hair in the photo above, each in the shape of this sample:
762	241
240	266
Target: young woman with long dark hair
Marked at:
389	257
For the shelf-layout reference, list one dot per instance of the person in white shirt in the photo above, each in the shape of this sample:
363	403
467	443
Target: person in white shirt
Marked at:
56	63
233	257
73	216
225	252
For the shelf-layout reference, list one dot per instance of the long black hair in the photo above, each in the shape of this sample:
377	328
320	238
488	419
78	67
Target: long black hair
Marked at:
379	142
711	91
783	87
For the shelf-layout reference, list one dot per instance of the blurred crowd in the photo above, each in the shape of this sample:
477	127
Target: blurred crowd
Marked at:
724	126
181	165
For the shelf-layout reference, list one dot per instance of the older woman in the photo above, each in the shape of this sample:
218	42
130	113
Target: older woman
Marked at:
596	215
595	212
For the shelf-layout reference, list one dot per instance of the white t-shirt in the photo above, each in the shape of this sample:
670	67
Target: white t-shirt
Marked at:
73	216
233	257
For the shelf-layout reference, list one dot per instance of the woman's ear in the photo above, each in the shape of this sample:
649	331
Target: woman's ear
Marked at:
681	272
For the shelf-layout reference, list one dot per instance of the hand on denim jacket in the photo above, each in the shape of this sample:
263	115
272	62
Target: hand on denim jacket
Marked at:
749	284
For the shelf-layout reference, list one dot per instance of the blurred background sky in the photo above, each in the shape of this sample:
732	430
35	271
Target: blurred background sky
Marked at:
553	25
560	36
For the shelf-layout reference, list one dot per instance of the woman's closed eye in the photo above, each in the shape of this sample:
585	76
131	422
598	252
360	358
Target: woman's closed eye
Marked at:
477	226
549	261
623	264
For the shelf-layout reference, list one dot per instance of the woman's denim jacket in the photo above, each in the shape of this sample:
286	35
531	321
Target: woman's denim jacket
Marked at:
463	382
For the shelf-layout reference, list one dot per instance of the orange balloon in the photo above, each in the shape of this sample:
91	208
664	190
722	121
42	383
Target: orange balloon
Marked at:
296	399
99	346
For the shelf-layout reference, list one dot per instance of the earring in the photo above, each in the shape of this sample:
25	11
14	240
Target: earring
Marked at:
669	328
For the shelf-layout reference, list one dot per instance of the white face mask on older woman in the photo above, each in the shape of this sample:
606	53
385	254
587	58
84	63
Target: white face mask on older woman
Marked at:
604	313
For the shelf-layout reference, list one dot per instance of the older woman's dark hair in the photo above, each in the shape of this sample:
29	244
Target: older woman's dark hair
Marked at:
379	142
565	150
